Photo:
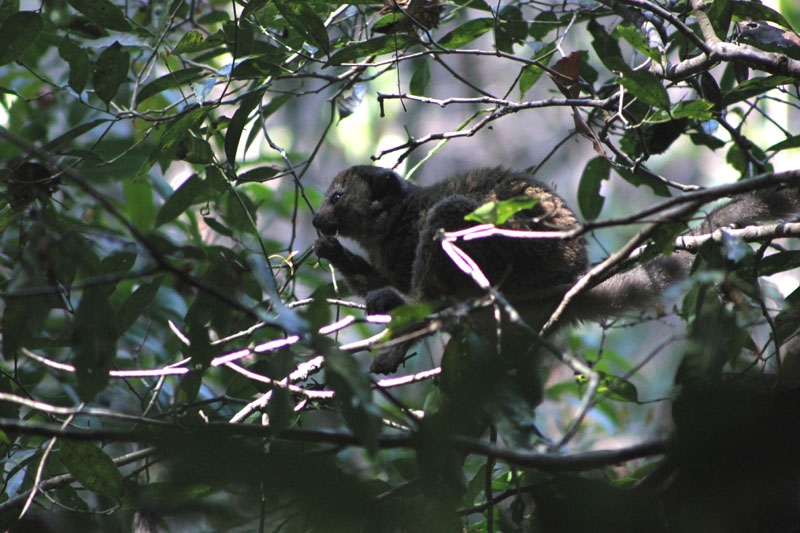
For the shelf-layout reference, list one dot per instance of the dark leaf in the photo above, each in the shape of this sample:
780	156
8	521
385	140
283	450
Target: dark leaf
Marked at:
111	71
384	44
180	200
173	80
194	41
94	342
238	122
467	32
303	18
589	198
79	64
137	303
103	13
259	174
19	31
92	467
354	397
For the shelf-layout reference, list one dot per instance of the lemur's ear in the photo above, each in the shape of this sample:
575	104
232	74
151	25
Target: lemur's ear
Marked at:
385	183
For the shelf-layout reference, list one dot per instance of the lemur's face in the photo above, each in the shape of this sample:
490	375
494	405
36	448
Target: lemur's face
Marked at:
355	199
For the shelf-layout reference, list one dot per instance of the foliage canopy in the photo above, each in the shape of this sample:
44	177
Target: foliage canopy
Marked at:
175	357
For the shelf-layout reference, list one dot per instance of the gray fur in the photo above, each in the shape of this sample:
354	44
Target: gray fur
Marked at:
396	222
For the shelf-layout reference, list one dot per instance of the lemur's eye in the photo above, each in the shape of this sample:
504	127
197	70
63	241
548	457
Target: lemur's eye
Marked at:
335	197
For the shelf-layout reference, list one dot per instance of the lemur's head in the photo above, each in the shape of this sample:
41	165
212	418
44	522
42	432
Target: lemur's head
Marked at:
355	200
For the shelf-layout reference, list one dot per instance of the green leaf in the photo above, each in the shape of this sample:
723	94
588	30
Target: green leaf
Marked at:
510	29
420	78
646	87
238	122
139	206
194	41
757	11
137	303
544	23
719	13
173	80
217	226
755	87
194	150
92	467
57	143
354	397
259	174
786	144
618	389
94	342
111	71
303	18
607	48
384	44
590	200
181	199
79	64
409	315
636	40
658	186
696	109
531	73
498	212
179	129
19	31
466	33
103	13
781	262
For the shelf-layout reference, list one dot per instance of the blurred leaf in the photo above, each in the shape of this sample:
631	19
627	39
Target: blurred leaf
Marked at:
658	186
194	150
719	13
19	31
531	73
65	138
137	303
173	80
79	64
259	174
384	44
94	342
194	41
590	200
647	87
510	28
239	121
467	32
758	11
544	23
606	48
303	18
111	71
409	315
92	467
179	128
755	87
103	13
780	262
636	40
354	397
618	389
500	211
420	78
180	200
786	144
139	204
